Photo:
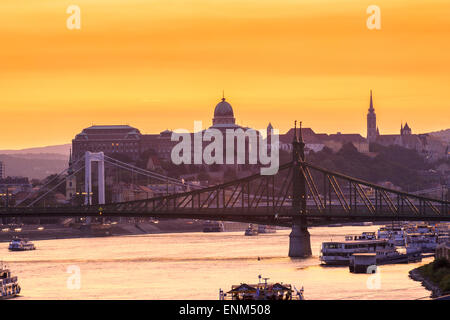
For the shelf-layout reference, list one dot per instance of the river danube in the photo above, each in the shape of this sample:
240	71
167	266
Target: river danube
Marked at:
195	266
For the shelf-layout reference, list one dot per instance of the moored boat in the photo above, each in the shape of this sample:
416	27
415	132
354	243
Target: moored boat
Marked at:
362	236
9	286
213	226
18	244
425	242
339	252
262	291
251	231
360	262
394	234
262	228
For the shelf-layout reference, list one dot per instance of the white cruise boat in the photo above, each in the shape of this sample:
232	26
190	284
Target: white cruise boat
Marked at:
394	234
362	236
213	226
339	252
18	244
266	229
9	286
251	231
425	242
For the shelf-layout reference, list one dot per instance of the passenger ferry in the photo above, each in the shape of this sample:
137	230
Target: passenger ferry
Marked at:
360	262
18	244
338	253
419	228
266	229
394	234
262	291
9	286
425	242
213	226
251	231
362	236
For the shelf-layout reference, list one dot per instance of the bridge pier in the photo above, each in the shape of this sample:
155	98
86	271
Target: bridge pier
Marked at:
299	240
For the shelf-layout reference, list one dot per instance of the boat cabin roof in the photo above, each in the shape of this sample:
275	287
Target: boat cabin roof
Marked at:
357	242
261	286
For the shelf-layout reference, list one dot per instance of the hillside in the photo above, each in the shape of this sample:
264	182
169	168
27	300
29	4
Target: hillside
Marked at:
34	166
63	149
403	167
443	135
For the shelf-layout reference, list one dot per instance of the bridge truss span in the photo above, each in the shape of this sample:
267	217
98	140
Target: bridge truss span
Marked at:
328	195
270	199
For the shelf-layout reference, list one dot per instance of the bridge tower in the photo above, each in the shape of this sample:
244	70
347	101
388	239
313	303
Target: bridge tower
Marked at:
89	158
299	239
71	181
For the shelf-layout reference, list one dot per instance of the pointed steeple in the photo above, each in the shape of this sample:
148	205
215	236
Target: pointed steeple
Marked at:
300	133
70	170
295	131
371	109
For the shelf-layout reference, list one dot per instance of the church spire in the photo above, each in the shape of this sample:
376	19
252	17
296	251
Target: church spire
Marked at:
371	109
371	122
300	133
70	170
295	131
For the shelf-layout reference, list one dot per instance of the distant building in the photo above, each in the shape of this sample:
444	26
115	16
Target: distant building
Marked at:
317	141
371	122
71	181
160	143
15	184
443	251
2	170
123	192
430	147
313	142
125	140
112	140
361	144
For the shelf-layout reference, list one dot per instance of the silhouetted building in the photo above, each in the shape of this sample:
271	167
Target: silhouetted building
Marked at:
430	147
405	130
371	122
112	140
2	170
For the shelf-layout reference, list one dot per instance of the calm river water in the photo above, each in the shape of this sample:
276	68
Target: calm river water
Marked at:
194	266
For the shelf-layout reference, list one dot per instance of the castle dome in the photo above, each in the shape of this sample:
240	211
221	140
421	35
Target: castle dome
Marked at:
223	109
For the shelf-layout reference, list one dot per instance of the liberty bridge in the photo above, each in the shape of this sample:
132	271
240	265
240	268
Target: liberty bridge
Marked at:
300	194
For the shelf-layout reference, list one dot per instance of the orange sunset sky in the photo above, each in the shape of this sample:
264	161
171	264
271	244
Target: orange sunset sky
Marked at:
158	64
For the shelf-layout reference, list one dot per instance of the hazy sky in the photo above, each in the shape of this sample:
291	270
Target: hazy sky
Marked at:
158	64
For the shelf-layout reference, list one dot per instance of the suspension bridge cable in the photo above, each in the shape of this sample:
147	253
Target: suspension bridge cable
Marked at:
54	187
147	172
154	174
143	170
48	183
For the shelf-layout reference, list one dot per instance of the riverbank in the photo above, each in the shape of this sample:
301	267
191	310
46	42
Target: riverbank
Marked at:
53	231
434	276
